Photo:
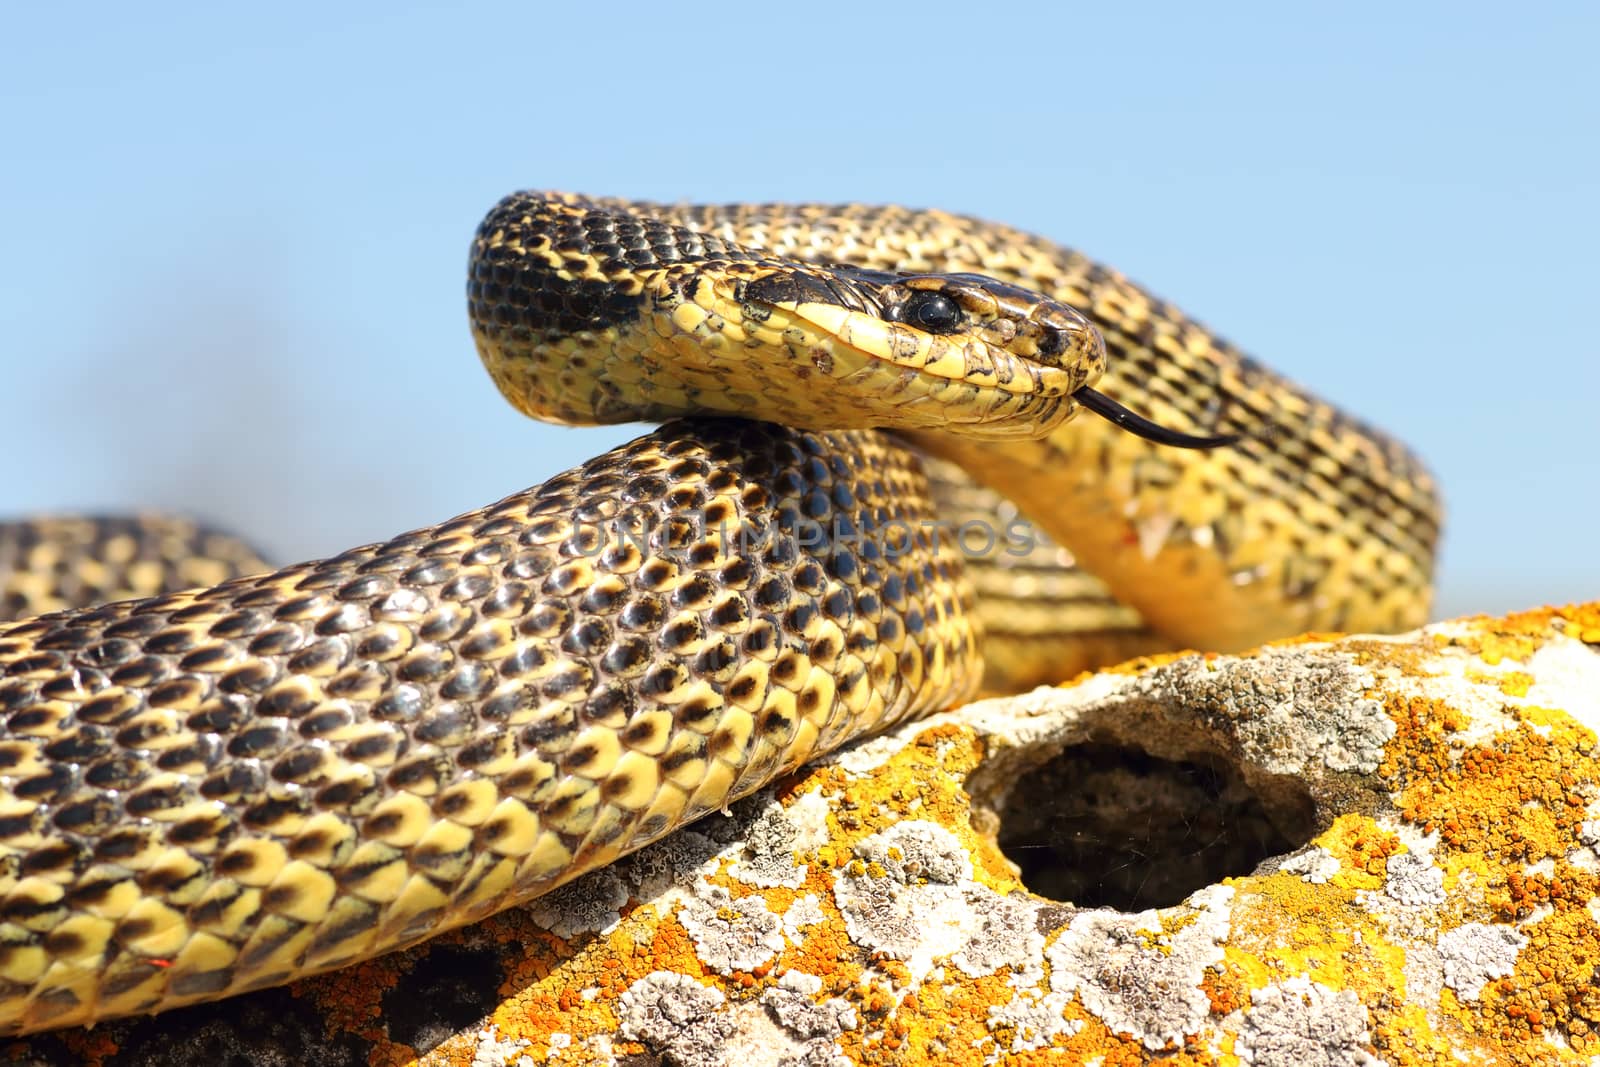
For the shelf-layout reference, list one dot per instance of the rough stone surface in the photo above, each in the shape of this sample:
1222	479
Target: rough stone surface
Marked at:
1398	862
1301	1021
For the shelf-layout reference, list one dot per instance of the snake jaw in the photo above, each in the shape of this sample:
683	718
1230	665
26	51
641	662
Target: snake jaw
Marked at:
956	351
988	333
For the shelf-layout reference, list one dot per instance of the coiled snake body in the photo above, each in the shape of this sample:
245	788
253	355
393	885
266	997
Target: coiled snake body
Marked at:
219	789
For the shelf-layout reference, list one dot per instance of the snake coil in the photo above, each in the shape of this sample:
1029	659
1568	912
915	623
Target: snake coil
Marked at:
221	788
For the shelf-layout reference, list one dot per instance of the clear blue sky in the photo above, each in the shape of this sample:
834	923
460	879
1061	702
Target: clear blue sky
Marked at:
231	273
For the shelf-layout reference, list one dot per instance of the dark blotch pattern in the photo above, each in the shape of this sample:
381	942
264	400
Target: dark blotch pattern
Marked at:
527	296
472	710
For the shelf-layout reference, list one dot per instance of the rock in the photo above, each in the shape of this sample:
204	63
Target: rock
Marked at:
1347	851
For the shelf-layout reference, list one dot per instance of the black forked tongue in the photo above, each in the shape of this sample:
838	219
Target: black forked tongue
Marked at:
1140	426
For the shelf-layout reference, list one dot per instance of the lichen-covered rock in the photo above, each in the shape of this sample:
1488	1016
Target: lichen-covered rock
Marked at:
1351	851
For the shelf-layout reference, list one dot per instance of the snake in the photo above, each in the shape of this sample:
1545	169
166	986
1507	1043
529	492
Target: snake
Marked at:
246	776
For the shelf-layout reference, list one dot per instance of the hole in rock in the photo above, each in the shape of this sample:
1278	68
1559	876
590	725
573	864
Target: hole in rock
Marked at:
1110	826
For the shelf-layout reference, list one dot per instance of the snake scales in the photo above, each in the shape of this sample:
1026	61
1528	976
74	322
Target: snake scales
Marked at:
219	789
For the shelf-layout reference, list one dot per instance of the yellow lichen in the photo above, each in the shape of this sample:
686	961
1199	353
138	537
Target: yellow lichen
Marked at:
1511	683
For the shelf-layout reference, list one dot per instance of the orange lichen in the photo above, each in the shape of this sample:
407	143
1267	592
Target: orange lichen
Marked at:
1361	848
1510	797
1422	742
1553	987
1404	1034
90	1047
1225	989
352	998
1517	636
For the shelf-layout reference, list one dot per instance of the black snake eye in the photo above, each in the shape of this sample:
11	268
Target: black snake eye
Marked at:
931	311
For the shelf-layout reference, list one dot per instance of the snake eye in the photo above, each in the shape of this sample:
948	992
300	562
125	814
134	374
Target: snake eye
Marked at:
931	311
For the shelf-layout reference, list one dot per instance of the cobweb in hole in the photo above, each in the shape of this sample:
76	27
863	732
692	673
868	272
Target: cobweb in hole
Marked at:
1109	826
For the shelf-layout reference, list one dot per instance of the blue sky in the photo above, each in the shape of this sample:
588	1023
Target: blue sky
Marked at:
231	273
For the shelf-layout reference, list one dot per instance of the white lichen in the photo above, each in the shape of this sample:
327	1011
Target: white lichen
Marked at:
1134	975
864	757
1413	880
793	1006
904	895
673	862
677	1016
1315	865
492	1050
1306	1024
731	935
804	911
690	1025
1290	710
590	904
1474	953
1033	1022
1005	933
766	856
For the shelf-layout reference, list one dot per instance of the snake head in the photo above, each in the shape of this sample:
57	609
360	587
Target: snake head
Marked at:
923	351
963	352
